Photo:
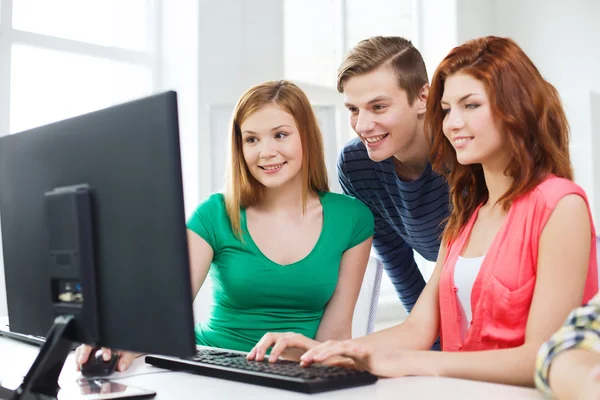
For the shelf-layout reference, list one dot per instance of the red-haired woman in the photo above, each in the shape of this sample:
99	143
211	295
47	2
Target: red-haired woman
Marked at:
518	251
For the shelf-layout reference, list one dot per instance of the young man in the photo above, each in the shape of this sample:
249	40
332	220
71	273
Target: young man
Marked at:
385	85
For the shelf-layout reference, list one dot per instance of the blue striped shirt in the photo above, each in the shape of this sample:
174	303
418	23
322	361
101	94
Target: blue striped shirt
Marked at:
408	215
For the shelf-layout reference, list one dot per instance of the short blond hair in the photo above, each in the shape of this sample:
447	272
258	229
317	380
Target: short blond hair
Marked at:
393	51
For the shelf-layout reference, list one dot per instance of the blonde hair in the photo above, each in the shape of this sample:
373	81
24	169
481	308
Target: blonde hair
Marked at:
393	51
241	188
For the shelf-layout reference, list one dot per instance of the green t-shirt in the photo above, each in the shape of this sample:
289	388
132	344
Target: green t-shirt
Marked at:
253	295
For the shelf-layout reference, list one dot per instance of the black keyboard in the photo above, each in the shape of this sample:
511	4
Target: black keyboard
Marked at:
286	375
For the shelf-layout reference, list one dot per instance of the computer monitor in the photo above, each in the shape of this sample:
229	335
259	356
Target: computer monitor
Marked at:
94	236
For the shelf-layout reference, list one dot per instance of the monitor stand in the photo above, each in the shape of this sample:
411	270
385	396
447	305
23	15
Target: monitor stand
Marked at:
41	381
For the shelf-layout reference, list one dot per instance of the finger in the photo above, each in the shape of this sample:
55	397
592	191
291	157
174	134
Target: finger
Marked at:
329	349
308	357
344	362
77	358
288	342
278	348
252	354
292	354
346	349
106	354
77	365
265	344
83	354
337	349
125	360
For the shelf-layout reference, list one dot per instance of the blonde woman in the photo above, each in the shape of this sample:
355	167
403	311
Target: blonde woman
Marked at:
284	253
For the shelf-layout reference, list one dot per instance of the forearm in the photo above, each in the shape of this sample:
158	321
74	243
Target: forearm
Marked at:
197	282
514	366
569	370
403	336
336	323
342	331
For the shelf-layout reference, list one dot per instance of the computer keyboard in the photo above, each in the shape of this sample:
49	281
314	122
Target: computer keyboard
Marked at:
286	375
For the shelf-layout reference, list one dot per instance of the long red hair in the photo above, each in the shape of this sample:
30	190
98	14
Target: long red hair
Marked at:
528	110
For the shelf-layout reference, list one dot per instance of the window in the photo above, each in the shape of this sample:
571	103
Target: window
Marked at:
63	58
113	23
59	85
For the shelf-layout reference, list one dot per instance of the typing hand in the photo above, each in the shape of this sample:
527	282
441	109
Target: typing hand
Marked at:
348	353
83	352
289	346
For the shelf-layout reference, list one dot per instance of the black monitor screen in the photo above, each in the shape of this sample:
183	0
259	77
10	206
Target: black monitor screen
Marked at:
128	156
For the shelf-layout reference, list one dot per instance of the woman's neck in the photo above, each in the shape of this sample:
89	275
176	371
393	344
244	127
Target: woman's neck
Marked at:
283	200
498	183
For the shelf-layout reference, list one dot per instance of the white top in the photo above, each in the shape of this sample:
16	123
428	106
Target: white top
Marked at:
465	274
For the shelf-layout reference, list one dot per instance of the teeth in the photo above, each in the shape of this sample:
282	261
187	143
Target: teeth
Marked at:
376	139
271	168
462	140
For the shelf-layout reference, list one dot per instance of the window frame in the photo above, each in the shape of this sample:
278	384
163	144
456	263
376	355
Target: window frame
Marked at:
10	36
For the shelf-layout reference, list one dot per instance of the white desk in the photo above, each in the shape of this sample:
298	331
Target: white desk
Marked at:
16	358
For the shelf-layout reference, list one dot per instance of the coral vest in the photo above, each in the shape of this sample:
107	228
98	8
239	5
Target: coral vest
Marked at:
503	290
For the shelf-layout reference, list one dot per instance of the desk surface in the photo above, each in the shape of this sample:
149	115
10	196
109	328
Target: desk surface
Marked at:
16	358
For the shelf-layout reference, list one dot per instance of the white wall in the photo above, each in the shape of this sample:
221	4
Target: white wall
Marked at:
562	38
240	44
473	19
178	70
179	45
595	145
3	309
437	33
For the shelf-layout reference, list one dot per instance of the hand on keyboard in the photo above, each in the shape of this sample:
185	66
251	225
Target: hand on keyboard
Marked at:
344	353
288	345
